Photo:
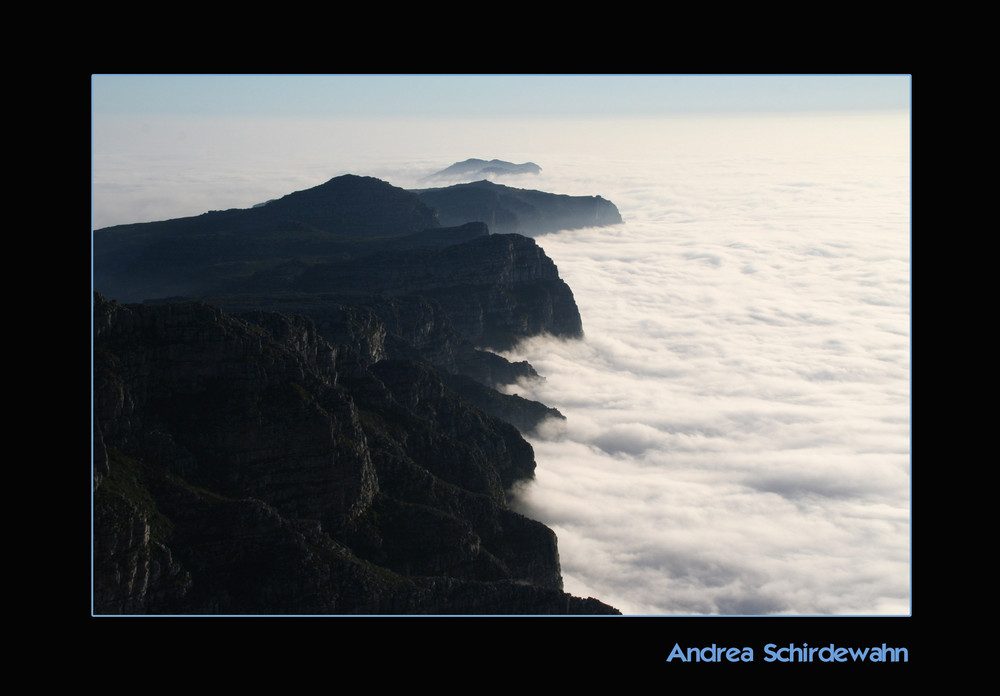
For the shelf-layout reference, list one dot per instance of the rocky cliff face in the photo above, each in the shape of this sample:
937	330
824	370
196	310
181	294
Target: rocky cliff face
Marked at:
203	254
314	427
379	327
246	465
495	289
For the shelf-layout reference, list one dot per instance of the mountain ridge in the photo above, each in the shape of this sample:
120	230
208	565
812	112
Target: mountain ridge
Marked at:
309	421
520	211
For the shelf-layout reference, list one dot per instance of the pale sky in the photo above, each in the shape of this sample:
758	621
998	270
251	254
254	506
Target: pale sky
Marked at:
491	95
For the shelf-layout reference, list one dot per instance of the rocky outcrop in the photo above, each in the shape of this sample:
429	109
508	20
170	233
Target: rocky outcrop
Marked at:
442	293
380	327
313	425
226	401
495	289
245	465
508	210
351	235
204	254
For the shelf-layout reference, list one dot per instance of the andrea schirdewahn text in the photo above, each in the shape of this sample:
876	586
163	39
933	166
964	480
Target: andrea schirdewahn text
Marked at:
791	653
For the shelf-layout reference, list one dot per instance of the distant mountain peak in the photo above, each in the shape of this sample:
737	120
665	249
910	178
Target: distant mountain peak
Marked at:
474	167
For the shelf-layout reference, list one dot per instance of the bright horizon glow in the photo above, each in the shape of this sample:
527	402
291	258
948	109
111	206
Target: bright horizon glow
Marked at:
160	167
215	142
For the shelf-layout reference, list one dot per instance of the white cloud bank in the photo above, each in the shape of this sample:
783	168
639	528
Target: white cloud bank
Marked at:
738	437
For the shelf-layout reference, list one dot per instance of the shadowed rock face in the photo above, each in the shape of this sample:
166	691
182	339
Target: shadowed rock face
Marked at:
320	432
495	289
245	465
205	254
445	291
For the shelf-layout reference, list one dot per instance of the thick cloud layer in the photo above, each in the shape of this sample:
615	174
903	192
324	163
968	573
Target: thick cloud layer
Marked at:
737	434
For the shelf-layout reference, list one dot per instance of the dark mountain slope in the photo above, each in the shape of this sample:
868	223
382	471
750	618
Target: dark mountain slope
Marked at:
319	433
521	211
495	289
246	466
200	255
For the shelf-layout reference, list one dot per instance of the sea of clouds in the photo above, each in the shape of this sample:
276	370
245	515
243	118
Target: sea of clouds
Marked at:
737	433
738	415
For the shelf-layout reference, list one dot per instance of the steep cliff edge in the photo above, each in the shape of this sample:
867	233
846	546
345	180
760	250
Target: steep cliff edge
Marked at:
244	465
312	425
448	292
495	289
380	327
